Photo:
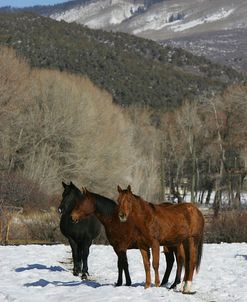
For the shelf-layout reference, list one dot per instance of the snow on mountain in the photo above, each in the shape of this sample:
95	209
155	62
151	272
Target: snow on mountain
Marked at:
191	24
181	21
221	14
159	19
100	14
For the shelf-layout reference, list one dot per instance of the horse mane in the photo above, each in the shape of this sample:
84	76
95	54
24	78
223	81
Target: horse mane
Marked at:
139	198
104	205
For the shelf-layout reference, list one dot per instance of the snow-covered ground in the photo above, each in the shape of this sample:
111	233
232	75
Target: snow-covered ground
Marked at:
43	273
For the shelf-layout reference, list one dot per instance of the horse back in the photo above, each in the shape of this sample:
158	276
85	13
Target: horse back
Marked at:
179	220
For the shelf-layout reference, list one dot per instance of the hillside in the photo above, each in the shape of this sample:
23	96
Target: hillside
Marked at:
133	70
226	47
156	19
207	28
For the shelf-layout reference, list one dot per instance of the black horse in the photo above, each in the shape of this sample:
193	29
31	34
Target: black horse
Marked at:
80	235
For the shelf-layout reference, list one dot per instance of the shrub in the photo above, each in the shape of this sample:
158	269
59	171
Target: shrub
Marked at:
41	227
229	226
19	191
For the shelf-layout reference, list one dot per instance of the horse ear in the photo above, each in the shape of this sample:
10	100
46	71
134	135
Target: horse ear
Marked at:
119	189
84	190
71	183
129	188
64	184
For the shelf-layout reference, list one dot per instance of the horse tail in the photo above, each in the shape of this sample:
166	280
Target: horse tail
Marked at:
199	253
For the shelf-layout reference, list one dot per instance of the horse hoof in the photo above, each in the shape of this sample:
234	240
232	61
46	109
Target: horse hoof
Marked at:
189	293
84	276
174	285
118	284
128	284
75	273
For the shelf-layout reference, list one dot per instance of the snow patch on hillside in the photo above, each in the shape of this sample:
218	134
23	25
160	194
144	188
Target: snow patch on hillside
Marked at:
221	14
100	14
159	20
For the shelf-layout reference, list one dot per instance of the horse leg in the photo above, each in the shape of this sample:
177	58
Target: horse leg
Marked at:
120	269
180	261
146	261
191	264
76	257
126	269
156	259
186	261
123	266
85	253
169	264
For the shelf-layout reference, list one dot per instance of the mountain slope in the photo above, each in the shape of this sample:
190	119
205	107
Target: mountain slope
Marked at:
228	47
158	19
132	69
184	21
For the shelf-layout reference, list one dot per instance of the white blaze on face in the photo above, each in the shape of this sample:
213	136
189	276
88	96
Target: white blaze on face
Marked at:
122	217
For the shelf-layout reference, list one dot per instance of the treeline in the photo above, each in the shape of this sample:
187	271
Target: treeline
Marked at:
56	126
133	70
204	149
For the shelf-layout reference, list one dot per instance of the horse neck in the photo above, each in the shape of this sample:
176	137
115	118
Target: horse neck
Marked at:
140	206
105	208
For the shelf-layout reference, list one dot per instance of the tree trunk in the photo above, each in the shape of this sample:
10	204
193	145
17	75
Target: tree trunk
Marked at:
162	178
208	195
237	197
218	189
193	177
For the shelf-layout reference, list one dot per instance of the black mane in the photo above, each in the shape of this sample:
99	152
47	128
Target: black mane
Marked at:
103	204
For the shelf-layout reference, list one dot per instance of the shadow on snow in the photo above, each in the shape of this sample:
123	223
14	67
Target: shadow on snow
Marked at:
44	283
241	256
39	266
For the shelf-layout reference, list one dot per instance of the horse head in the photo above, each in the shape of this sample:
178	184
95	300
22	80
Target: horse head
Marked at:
69	197
83	207
124	203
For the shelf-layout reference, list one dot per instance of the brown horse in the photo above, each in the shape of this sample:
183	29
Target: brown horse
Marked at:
178	225
122	236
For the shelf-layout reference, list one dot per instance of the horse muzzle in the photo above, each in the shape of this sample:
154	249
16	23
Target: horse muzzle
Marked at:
74	219
122	217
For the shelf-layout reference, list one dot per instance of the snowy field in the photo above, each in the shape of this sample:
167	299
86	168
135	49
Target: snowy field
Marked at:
43	273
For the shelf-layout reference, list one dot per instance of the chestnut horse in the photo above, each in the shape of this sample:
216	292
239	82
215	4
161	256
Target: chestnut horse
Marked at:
179	225
121	236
